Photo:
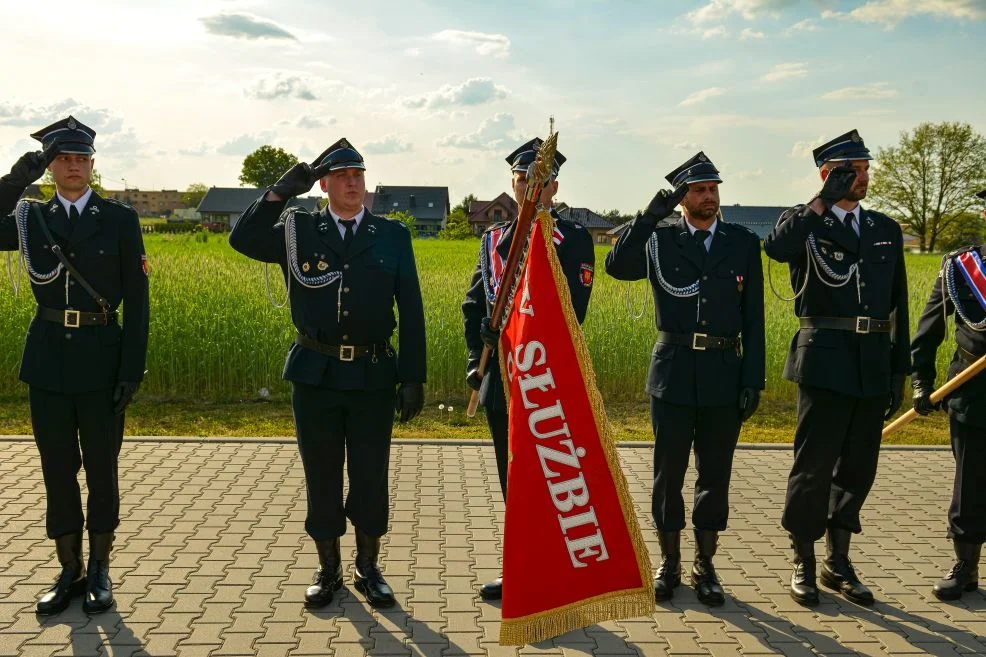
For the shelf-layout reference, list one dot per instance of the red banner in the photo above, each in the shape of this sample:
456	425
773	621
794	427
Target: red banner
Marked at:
573	554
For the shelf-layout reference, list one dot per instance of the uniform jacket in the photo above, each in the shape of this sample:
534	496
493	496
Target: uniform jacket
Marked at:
106	248
577	256
729	304
377	270
968	403
854	364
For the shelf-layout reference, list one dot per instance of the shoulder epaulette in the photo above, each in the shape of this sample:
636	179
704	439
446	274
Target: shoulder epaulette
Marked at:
120	204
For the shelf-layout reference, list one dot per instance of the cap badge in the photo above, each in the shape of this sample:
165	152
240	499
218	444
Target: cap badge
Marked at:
72	125
702	158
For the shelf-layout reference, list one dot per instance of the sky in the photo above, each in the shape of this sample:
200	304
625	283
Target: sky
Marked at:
440	92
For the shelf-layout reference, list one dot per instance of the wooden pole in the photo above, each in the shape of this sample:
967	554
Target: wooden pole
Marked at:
938	395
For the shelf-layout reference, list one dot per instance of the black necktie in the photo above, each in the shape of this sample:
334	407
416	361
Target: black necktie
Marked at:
700	237
348	224
849	218
73	214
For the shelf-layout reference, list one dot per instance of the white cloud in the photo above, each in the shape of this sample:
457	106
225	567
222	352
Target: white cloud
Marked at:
280	87
785	70
890	12
804	148
307	121
686	146
412	52
448	161
717	10
39	116
244	26
746	175
749	33
873	91
475	91
494	45
492	133
245	144
201	150
387	145
718	32
807	25
701	96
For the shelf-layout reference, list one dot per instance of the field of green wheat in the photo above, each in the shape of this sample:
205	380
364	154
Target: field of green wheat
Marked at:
215	336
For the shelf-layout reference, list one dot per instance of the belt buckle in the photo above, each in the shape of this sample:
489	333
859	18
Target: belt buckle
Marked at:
862	325
695	345
347	352
72	319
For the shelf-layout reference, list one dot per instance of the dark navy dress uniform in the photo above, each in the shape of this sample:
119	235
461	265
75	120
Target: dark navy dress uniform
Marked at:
853	342
78	355
340	404
574	247
966	407
72	371
708	309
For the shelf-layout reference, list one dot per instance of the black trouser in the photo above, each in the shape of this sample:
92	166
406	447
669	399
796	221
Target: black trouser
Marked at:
62	424
496	418
967	513
836	449
328	423
714	431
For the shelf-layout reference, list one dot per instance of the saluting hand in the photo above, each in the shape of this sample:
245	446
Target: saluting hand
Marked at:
296	181
664	203
837	185
30	167
410	401
123	394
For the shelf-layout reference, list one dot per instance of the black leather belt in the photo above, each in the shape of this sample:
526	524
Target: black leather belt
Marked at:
343	352
75	318
968	356
697	341
853	324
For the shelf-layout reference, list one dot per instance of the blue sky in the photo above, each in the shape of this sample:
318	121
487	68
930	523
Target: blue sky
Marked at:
438	93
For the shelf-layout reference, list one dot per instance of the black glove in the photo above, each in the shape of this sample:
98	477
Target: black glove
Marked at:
664	203
896	395
490	336
30	167
123	394
473	380
296	181
837	184
749	399
922	398
410	400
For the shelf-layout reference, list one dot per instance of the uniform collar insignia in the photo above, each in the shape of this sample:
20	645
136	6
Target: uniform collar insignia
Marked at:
371	228
93	209
53	209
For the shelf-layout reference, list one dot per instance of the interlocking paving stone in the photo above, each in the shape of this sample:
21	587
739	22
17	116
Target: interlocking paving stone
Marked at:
211	559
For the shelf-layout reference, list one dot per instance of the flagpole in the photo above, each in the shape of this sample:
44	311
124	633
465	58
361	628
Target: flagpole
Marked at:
537	176
938	395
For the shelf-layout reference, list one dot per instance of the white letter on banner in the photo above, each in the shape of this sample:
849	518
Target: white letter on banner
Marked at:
540	382
579	519
590	546
571	459
531	350
564	495
543	414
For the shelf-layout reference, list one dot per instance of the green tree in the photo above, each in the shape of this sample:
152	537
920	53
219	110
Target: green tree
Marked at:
265	165
457	226
928	180
405	218
194	195
616	217
965	230
47	184
464	203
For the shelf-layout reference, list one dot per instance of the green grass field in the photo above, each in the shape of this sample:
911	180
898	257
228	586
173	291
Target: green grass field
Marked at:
216	339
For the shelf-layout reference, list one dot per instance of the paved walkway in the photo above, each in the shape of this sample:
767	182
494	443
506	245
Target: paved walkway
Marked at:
211	559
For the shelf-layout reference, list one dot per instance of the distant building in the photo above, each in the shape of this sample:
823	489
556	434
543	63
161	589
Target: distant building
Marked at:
597	226
482	214
428	205
148	203
761	219
225	205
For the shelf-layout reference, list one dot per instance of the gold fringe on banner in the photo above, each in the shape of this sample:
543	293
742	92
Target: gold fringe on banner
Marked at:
628	603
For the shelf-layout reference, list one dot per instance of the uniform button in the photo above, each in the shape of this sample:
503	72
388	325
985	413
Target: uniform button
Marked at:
68	336
71	282
345	289
860	261
866	307
71	255
381	261
345	337
704	323
46	247
705	278
676	268
101	252
704	299
346	266
345	313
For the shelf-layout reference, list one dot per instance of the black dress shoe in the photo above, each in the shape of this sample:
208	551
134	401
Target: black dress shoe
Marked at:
328	578
704	577
669	573
837	570
99	588
804	589
367	578
71	581
964	575
492	590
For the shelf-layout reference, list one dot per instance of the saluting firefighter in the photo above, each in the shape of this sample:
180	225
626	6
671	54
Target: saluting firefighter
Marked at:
573	244
849	358
707	367
84	257
345	268
960	289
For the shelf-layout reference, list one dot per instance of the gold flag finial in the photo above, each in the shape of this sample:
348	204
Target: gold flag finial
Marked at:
545	157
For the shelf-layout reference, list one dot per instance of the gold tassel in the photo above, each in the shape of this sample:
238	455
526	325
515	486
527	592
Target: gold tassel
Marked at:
548	624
